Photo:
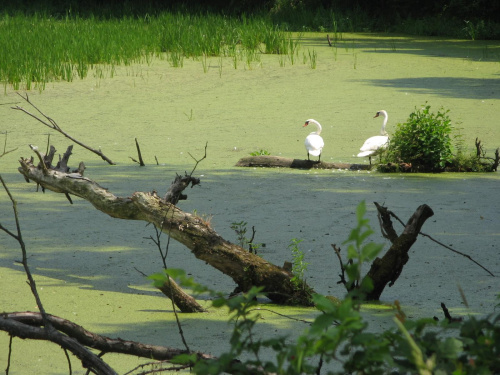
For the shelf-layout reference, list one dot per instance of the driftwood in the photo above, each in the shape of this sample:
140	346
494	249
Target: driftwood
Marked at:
246	269
282	162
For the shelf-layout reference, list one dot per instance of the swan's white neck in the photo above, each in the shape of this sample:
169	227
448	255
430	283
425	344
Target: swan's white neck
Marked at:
382	131
318	125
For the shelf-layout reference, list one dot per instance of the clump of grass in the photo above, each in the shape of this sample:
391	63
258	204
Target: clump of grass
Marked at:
313	56
299	267
260	152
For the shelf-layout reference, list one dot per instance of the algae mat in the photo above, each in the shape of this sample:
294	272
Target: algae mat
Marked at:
86	263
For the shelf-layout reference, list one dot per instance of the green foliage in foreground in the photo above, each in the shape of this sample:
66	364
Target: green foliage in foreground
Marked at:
339	338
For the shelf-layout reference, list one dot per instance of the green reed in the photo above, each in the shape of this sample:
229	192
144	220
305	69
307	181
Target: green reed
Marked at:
38	48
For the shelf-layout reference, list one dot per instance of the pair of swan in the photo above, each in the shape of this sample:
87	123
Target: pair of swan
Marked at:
373	146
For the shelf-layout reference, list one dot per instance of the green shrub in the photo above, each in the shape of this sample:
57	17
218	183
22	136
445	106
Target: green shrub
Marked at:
424	141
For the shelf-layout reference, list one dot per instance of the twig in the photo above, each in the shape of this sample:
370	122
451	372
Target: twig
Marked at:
5	147
198	160
172	298
53	125
283	315
176	368
457	252
447	315
442	244
69	361
9	356
250	242
342	268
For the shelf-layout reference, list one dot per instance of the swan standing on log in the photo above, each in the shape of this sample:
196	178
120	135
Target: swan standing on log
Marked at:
375	145
314	143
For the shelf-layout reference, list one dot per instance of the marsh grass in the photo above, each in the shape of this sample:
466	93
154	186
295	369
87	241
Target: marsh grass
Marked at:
313	57
37	49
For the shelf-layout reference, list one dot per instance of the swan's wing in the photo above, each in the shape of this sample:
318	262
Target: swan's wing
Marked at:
365	153
375	143
314	144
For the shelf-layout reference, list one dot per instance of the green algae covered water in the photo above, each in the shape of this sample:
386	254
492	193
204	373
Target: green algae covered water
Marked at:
86	263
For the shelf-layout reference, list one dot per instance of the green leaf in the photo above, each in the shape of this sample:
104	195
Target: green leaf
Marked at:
158	279
184	359
175	273
322	322
323	303
450	347
352	253
370	251
361	210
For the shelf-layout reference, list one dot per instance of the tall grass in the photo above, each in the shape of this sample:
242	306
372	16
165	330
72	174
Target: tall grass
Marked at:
37	49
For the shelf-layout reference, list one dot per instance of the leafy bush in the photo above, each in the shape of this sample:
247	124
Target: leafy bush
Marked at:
424	141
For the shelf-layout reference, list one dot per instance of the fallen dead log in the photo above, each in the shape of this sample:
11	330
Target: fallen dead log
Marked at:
269	161
29	326
245	268
24	331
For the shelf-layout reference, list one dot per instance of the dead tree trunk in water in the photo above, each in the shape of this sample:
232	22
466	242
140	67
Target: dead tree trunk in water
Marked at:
387	269
245	268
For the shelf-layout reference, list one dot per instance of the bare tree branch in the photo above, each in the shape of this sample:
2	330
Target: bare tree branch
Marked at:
50	123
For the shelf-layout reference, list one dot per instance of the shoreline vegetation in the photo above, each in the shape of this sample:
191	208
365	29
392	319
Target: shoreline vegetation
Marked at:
43	43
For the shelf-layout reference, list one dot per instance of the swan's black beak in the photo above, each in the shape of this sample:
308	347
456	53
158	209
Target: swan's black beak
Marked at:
377	114
307	123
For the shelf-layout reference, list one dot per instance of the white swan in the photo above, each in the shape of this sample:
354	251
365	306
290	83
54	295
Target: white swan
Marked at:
375	145
314	143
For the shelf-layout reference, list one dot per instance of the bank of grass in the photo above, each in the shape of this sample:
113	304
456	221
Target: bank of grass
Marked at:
37	49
